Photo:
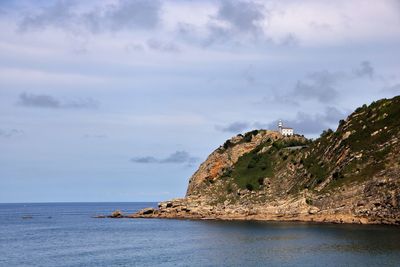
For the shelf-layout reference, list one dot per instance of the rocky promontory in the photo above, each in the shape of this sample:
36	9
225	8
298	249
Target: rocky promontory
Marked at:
351	175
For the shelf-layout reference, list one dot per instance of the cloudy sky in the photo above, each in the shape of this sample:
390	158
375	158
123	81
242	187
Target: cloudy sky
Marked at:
121	100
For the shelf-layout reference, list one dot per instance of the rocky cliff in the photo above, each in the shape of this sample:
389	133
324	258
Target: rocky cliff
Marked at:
351	175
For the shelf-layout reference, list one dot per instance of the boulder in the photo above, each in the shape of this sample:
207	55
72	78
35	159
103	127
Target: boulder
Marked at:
116	214
147	211
313	210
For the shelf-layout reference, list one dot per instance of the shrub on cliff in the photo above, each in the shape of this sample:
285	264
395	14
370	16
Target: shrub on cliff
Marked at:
249	187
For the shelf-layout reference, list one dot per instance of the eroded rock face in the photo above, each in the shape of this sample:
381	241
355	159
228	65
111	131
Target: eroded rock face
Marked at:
375	202
351	175
225	156
288	210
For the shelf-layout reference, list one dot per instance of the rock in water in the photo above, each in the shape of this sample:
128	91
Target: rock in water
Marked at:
116	214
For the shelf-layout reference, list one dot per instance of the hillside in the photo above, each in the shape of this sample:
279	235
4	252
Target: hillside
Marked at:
349	175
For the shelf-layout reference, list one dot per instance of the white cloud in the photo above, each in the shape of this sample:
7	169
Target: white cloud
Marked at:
335	22
310	23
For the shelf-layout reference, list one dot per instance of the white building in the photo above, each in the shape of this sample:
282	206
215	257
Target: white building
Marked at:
286	131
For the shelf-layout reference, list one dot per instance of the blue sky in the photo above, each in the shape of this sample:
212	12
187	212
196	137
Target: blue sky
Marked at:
122	100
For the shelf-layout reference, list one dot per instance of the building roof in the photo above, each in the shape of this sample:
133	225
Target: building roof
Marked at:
287	128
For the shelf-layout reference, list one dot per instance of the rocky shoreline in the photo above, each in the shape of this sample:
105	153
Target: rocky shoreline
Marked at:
351	175
294	210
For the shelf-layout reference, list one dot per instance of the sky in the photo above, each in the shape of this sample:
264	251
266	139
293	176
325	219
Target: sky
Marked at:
121	100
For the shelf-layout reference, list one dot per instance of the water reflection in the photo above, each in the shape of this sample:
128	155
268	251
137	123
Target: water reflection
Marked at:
302	243
73	238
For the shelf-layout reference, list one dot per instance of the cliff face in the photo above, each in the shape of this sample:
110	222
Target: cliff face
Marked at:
223	160
348	175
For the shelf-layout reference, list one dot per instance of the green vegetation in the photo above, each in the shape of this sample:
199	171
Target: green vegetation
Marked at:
374	124
229	188
326	133
249	187
337	175
356	151
227	144
251	169
318	171
371	126
249	136
246	138
368	129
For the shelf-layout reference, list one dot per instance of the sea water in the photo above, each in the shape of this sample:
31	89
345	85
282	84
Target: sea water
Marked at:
66	234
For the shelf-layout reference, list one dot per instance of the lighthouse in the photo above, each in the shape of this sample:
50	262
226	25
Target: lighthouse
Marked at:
285	131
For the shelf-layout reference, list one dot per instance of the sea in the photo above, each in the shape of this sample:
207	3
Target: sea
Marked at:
67	234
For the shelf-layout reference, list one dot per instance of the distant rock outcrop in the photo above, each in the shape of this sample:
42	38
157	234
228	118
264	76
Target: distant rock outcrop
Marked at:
351	175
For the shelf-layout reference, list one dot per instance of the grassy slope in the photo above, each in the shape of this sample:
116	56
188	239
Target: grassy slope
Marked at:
370	128
252	168
318	163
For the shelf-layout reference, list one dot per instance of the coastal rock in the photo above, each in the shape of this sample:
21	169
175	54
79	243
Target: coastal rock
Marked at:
116	214
147	211
313	210
351	175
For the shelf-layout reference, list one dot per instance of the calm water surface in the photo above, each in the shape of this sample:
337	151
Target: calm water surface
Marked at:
64	234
